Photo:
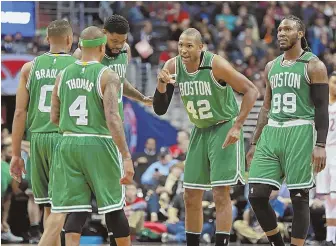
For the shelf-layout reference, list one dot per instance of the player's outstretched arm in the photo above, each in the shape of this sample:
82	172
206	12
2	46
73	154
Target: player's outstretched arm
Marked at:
223	70
165	88
318	76
110	85
19	122
132	93
55	102
263	115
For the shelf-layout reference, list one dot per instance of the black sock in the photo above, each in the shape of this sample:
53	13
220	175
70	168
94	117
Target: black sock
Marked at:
193	239
34	230
222	239
276	240
112	241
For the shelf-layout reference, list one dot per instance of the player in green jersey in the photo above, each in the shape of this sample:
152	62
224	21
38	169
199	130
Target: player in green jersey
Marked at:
33	100
287	148
92	156
117	56
215	157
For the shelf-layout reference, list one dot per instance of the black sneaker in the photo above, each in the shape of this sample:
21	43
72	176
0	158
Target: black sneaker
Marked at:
327	243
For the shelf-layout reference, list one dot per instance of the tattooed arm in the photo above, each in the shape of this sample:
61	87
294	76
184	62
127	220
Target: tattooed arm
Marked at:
110	85
131	92
263	115
110	88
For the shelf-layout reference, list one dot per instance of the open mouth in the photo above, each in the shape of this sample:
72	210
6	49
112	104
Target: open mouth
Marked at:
185	58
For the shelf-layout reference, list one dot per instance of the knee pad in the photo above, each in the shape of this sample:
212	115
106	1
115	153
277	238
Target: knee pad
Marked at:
75	222
259	199
301	219
260	190
117	223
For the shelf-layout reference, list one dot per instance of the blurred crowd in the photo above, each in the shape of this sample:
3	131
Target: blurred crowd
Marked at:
244	33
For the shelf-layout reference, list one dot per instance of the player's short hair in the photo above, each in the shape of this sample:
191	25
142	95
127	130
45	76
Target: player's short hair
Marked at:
59	28
116	24
91	32
193	32
301	27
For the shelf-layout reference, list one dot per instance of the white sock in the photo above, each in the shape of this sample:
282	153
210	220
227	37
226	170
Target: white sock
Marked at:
331	234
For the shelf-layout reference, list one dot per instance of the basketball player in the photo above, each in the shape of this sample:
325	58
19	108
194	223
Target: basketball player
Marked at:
85	106
33	101
215	157
326	179
296	102
117	56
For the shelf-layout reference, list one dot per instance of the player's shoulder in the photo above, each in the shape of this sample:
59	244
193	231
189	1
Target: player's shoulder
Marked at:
27	67
316	65
171	64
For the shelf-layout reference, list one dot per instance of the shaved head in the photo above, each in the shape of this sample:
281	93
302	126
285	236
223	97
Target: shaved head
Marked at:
192	32
92	32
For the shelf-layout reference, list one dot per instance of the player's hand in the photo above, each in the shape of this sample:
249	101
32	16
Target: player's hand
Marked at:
165	77
319	159
250	154
148	101
16	168
232	136
128	172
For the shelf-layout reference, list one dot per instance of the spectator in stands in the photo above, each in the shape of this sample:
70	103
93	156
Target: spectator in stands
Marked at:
227	16
19	45
178	151
170	52
135	209
176	219
176	13
142	160
7	44
6	196
157	169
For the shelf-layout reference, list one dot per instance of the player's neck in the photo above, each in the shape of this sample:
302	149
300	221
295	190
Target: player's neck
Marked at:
193	66
294	53
89	57
54	49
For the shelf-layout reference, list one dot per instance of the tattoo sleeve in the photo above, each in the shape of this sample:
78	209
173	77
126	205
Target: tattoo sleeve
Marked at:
263	115
112	115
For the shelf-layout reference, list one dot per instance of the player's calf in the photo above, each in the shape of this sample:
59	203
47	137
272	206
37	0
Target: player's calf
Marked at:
223	212
301	218
118	228
73	227
259	199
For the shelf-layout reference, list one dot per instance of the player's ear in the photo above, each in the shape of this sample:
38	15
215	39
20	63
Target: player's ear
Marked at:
300	34
201	46
48	40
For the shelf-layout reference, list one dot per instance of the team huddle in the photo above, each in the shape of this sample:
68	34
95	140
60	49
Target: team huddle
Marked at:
72	106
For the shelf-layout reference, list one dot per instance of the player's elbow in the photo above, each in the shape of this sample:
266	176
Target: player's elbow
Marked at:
253	91
20	112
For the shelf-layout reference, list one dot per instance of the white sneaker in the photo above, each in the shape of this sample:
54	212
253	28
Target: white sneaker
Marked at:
10	237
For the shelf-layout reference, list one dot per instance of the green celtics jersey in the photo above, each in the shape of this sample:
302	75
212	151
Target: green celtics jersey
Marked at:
40	84
119	65
81	108
290	89
206	101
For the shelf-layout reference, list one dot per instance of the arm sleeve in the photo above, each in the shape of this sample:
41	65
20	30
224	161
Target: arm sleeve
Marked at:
161	101
320	98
